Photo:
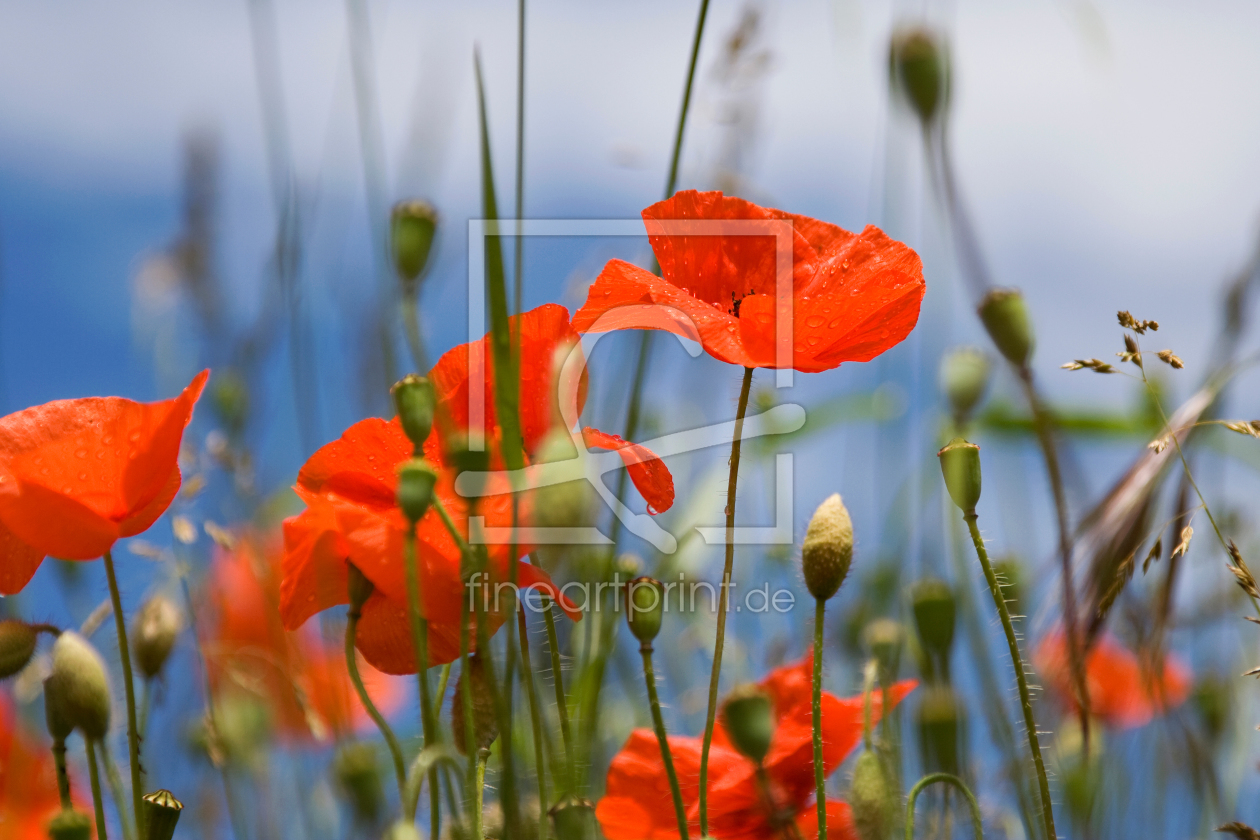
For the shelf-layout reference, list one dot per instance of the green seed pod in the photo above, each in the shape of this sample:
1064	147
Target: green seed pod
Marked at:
70	824
919	68
17	646
161	814
627	565
358	586
153	634
933	604
964	377
871	798
413	225
573	818
938	720
416	479
416	403
78	688
485	722
828	548
960	465
356	769
749	721
645	606
884	638
1005	317
58	727
402	830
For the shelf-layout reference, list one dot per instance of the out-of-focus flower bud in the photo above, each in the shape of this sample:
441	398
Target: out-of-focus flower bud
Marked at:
939	716
919	68
1213	700
416	402
964	378
229	396
357	772
573	818
416	479
960	465
412	227
161	814
153	634
749	721
78	688
239	733
58	727
884	638
645	606
402	830
485	723
933	604
70	824
359	588
1005	317
568	504
871	798
627	565
828	548
17	646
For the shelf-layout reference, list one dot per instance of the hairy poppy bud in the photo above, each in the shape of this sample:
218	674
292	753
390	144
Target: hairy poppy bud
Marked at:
412	227
964	377
78	689
828	548
920	71
871	798
416	479
70	824
356	769
161	814
1005	317
485	725
933	603
749	721
358	586
153	634
416	402
960	464
17	646
573	818
645	605
884	638
938	719
402	830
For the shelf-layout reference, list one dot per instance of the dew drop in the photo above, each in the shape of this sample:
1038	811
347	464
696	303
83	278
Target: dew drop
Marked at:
80	453
82	476
814	321
134	436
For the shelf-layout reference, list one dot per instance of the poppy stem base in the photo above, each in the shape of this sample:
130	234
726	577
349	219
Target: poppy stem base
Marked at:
662	739
129	689
352	667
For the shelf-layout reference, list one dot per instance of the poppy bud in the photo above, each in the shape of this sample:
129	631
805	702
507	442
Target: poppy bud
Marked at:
357	772
358	586
161	814
573	818
938	717
415	488
645	605
1212	699
884	638
828	548
70	824
568	504
58	727
920	71
153	634
964	377
412	227
871	798
17	646
749	721
960	464
933	604
78	689
403	830
627	565
415	401
1005	317
485	723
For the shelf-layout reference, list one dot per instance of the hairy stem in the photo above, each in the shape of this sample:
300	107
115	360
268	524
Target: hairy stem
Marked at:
98	802
114	781
133	731
420	643
948	779
535	719
658	722
820	777
352	667
557	680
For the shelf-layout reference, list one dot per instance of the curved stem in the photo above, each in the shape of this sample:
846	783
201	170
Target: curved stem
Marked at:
63	775
1021	679
535	719
658	722
133	731
114	781
723	600
948	779
420	644
352	666
820	776
557	680
98	801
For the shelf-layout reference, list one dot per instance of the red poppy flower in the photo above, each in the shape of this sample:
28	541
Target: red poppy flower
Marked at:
853	295
76	475
638	804
300	677
349	487
28	780
1123	691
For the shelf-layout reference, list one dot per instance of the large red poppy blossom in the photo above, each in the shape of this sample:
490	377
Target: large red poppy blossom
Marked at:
1124	692
638	804
77	475
28	780
853	295
349	487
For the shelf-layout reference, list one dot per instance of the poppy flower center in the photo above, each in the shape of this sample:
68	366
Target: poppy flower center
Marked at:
736	300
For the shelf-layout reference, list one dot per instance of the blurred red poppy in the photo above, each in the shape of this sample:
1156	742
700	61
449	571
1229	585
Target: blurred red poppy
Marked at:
77	475
853	295
1123	691
638	804
349	487
28	780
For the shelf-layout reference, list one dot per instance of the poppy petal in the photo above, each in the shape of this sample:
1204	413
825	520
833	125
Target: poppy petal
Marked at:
141	520
648	472
384	637
18	562
359	465
314	570
53	522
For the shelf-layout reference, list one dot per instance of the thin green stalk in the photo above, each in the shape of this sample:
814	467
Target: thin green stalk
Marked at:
672	181
98	802
948	779
557	680
420	643
483	757
63	776
820	776
1021	679
133	731
658	722
518	276
723	600
411	327
114	781
352	666
465	680
535	719
444	677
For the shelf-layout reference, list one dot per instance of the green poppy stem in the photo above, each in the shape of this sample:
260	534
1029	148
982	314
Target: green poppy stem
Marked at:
820	776
63	775
535	719
98	801
470	735
557	680
723	597
352	666
420	643
133	731
114	781
948	779
482	757
658	722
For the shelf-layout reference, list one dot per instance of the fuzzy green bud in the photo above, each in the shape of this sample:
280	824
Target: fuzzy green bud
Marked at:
964	377
161	814
828	548
1005	317
416	403
573	818
485	721
413	225
78	688
416	479
402	830
356	769
153	634
933	605
871	798
749	721
884	638
938	719
17	646
960	465
645	606
70	824
919	69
